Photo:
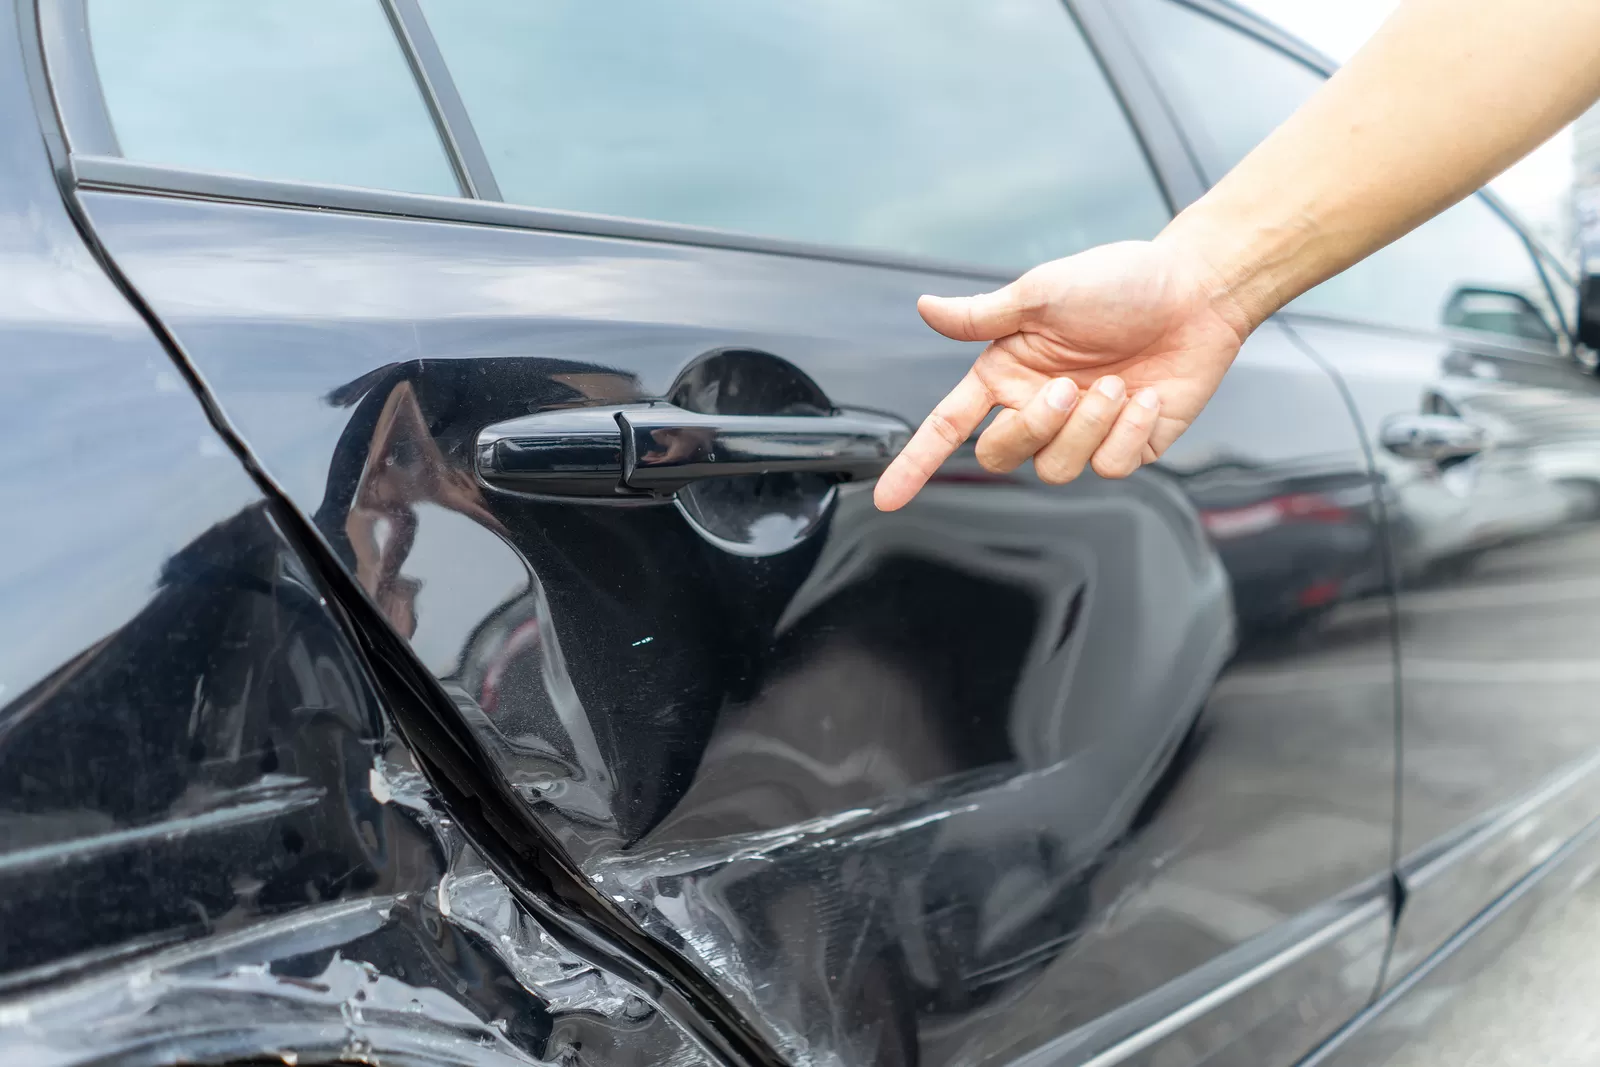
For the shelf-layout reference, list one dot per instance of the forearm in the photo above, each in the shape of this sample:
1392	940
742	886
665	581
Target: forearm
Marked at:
1446	95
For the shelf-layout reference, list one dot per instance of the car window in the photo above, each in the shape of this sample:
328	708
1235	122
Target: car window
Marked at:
304	90
1466	269
982	132
1228	89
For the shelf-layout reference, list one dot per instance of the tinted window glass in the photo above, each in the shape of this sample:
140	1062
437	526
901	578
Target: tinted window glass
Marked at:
306	90
1228	88
1454	271
982	132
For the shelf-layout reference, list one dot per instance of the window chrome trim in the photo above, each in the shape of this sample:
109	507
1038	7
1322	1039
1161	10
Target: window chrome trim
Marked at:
115	174
438	89
1264	30
63	27
1144	109
95	163
86	121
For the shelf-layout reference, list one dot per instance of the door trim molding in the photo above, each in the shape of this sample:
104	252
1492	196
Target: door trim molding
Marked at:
1328	939
1453	878
439	93
1471	947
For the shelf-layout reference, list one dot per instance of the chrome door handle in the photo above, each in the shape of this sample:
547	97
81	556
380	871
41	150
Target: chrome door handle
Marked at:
1432	437
659	448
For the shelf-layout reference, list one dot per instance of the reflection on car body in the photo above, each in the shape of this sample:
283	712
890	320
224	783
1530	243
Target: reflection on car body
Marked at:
406	680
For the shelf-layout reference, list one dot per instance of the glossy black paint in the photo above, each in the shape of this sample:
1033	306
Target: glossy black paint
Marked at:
213	845
1021	774
769	752
762	755
661	448
1429	1002
1495	553
1491	553
229	852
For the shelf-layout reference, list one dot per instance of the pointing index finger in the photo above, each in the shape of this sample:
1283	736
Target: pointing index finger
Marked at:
940	434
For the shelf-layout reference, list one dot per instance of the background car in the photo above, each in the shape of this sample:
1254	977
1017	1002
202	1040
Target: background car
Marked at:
445	620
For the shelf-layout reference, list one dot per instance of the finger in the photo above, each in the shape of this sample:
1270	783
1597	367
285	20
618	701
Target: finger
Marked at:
940	434
984	317
1018	434
1064	458
1122	452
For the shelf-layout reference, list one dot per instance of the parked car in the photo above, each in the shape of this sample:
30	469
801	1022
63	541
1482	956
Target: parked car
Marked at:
443	619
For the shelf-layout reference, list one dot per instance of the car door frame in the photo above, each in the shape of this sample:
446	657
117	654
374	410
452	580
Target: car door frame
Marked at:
1442	885
88	156
1202	995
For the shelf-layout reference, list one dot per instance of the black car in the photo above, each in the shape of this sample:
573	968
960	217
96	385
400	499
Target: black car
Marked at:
443	619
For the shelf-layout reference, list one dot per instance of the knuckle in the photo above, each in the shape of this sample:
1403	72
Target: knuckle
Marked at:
1112	466
1026	294
993	449
1093	419
1039	432
992	461
1039	427
944	429
1055	471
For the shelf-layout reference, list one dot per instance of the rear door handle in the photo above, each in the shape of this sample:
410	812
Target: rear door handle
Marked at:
1432	437
659	448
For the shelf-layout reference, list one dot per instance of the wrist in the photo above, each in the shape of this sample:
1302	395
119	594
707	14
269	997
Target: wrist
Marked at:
1243	266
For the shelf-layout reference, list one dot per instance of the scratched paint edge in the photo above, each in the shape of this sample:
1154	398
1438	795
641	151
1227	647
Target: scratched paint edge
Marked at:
62	853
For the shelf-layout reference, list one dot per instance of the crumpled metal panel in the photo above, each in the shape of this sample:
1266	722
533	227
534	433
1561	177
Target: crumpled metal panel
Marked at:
898	792
258	869
212	844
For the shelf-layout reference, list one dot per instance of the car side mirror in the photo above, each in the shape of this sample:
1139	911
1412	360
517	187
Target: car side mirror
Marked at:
1500	311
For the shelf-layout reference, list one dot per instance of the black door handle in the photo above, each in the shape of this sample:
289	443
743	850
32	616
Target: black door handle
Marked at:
659	448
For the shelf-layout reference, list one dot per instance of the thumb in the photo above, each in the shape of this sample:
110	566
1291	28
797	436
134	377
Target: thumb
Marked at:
984	317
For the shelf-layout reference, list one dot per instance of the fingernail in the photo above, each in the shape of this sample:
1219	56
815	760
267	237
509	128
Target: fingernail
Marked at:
1111	386
1061	394
1147	398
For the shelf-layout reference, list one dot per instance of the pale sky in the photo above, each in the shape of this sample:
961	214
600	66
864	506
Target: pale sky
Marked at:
1536	188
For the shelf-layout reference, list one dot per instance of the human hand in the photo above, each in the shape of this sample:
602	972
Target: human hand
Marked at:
1103	359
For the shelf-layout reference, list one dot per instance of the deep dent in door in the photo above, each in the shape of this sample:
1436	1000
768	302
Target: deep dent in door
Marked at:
874	786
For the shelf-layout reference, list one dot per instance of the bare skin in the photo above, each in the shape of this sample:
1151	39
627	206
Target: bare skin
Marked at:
1104	358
